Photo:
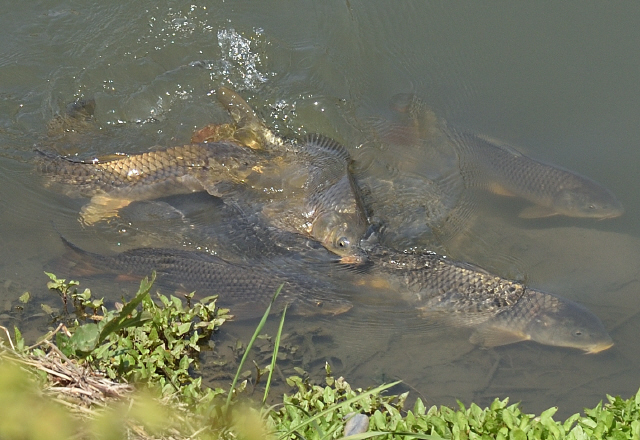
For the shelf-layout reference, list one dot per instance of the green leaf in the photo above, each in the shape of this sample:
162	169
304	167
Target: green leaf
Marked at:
184	328
25	297
85	338
122	319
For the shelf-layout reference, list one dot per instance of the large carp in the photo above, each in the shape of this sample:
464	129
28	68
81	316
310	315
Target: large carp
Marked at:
246	289
305	188
499	310
499	168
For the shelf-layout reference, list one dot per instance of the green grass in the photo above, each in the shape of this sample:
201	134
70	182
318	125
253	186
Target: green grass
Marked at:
155	345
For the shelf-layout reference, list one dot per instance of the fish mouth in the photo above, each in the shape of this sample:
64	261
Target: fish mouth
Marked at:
599	347
352	259
611	215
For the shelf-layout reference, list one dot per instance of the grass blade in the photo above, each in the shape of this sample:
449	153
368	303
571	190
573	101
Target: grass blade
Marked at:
246	352
274	357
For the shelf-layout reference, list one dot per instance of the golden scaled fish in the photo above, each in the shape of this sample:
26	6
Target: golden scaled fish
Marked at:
500	311
332	208
499	168
116	181
305	189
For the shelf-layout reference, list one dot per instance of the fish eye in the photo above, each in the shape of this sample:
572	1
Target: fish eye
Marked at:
343	242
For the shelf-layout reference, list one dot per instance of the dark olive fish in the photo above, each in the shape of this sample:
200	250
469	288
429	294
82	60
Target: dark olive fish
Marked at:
501	311
553	190
246	290
499	168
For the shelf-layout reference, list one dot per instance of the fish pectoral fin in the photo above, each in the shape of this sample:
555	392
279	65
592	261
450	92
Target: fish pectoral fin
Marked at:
500	190
537	211
490	336
101	207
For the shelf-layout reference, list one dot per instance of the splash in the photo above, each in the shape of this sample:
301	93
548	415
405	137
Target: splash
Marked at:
238	63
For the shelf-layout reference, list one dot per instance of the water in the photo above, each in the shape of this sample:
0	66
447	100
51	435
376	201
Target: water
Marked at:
558	81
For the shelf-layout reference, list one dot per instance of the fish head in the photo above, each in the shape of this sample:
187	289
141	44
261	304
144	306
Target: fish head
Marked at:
563	323
588	200
340	236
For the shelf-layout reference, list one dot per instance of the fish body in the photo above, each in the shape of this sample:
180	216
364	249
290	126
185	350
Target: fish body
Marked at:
553	190
117	181
333	211
246	289
306	189
499	168
499	310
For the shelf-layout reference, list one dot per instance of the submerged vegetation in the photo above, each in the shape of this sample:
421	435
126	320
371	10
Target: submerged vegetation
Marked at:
129	373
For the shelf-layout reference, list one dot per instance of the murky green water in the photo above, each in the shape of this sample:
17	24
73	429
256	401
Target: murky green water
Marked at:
559	81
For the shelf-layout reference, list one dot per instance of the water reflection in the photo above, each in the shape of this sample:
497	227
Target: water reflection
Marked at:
536	79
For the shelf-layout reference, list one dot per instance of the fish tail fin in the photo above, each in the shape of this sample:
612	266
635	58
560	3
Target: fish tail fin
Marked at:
75	261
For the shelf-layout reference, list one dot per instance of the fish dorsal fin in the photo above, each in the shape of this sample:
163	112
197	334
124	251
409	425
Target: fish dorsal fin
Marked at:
491	336
500	144
537	211
315	143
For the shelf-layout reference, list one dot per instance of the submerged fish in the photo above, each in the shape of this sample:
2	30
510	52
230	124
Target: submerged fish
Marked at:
246	290
499	168
78	116
332	210
554	190
501	311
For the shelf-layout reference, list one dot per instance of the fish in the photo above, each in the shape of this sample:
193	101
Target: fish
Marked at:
306	189
78	117
500	311
250	129
116	181
333	211
500	168
553	190
245	289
